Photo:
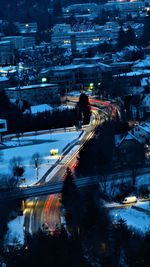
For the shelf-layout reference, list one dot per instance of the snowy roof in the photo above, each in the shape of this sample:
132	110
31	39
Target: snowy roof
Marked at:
145	126
143	63
122	63
118	138
82	65
40	108
3	79
145	81
146	100
128	136
34	86
134	73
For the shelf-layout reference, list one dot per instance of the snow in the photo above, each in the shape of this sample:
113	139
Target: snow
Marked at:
3	79
40	108
63	107
134	73
145	81
34	86
33	144
15	234
143	179
143	63
144	205
78	93
135	219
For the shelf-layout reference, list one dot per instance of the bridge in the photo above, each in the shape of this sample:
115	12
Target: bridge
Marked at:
46	189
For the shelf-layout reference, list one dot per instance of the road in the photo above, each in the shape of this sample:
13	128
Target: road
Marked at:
45	210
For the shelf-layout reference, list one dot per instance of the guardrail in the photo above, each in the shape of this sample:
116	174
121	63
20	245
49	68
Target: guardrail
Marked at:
18	135
46	189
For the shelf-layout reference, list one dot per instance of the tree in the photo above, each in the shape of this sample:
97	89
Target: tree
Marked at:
36	161
4	101
146	37
83	108
16	164
57	8
72	20
71	201
121	38
130	36
10	29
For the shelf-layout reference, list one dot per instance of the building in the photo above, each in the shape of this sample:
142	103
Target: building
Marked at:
15	41
27	29
77	75
28	41
125	7
4	82
6	52
3	128
87	10
142	132
35	94
62	34
143	64
130	152
121	67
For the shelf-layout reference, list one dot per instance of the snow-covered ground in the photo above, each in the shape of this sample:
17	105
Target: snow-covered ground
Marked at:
15	234
33	144
77	93
144	205
138	219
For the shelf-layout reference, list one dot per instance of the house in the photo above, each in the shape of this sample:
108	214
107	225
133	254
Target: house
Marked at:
146	103
35	94
142	132
130	152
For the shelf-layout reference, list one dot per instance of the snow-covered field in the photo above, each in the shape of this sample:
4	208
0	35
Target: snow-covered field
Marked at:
33	144
134	218
15	234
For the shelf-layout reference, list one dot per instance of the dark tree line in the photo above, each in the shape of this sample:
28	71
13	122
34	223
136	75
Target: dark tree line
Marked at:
43	121
18	122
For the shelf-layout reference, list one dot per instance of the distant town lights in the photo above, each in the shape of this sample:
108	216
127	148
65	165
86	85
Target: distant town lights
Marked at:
91	85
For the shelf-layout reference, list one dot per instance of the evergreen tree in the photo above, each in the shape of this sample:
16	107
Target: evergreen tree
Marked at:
130	36
121	38
71	200
83	106
4	101
57	8
146	36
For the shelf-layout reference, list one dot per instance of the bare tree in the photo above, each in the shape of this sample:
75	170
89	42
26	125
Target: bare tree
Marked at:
16	165
36	162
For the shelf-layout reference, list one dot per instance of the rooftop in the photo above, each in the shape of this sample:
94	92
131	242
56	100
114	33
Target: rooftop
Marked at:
34	86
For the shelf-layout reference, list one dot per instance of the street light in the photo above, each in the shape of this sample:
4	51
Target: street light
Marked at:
44	79
36	167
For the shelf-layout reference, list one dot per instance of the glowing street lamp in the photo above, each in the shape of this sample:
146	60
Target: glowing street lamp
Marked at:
44	80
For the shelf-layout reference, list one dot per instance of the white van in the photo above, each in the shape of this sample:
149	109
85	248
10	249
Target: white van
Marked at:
128	200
